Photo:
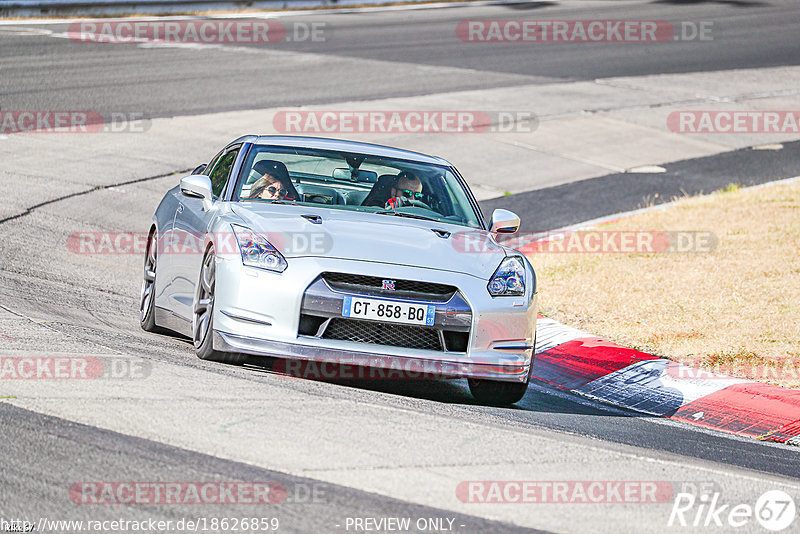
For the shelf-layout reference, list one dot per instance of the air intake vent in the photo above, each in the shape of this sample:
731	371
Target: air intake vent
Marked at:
412	337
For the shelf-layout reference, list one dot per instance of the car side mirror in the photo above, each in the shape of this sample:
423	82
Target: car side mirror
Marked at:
198	186
504	222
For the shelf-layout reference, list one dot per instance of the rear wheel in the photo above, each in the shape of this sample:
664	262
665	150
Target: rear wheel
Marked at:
203	316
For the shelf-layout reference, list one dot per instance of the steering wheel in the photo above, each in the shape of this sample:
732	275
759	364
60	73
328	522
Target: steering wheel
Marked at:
414	202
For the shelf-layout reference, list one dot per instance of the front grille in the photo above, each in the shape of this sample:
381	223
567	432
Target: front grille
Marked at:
402	288
395	335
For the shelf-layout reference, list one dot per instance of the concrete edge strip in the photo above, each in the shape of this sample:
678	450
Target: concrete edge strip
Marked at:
570	359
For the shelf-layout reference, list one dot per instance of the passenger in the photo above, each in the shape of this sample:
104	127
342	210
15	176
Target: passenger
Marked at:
274	184
268	188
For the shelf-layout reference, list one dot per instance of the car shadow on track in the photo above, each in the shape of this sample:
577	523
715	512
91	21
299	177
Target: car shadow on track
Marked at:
539	398
372	379
525	6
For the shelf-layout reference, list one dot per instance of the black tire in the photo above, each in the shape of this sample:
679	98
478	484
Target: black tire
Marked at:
147	297
203	316
496	393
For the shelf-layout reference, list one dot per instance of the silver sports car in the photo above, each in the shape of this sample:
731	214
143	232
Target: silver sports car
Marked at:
327	251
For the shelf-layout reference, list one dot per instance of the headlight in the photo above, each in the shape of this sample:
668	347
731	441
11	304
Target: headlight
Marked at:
508	279
257	251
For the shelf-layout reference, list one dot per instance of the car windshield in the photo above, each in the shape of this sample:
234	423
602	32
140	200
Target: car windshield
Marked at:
355	182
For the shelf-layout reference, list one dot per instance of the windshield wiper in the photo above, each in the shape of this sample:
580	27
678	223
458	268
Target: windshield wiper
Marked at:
276	201
409	215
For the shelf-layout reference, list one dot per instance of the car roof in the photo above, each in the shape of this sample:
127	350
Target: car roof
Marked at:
324	143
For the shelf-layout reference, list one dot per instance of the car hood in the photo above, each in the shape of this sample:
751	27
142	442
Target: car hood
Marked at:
376	238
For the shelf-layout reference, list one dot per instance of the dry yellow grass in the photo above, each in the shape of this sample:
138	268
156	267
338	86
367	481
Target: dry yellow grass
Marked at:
735	310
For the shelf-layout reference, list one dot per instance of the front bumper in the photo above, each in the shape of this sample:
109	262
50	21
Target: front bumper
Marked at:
258	313
406	366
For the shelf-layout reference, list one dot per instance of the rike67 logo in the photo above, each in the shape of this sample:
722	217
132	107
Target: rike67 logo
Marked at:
774	510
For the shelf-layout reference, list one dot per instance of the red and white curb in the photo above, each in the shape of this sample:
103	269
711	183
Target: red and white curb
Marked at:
570	359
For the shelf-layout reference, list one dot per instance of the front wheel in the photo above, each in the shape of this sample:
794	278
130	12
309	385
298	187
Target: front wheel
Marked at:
147	299
202	318
496	393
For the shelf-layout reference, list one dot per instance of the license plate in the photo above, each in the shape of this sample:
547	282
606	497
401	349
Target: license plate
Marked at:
392	311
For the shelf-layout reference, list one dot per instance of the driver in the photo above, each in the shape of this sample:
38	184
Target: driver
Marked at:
406	189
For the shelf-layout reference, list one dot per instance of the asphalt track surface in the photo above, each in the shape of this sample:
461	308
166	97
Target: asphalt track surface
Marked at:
378	55
318	507
42	455
586	200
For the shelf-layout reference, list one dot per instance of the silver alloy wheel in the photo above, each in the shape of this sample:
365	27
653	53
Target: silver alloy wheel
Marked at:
204	303
149	282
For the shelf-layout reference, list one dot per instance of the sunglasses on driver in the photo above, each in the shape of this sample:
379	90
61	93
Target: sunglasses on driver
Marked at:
407	193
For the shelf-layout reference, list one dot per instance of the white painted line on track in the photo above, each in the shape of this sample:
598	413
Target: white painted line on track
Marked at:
646	169
25	31
773	146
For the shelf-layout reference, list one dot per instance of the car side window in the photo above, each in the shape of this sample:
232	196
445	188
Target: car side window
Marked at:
221	171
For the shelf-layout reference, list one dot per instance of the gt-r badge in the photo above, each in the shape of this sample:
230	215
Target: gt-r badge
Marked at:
388	285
